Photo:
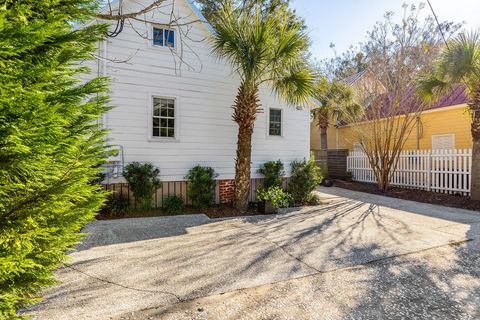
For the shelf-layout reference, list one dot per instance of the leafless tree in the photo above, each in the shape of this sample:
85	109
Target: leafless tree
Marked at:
134	13
397	54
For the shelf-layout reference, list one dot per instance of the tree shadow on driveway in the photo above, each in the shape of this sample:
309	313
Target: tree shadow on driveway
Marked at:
226	256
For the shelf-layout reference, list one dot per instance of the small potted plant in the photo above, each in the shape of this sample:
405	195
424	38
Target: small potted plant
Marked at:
271	199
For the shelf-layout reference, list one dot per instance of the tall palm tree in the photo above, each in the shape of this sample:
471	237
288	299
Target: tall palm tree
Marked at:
460	64
335	102
265	49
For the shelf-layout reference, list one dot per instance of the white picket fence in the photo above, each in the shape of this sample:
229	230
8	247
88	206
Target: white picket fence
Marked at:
446	171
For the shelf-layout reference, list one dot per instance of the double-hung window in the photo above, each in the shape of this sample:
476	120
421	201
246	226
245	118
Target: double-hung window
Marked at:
163	37
275	122
163	117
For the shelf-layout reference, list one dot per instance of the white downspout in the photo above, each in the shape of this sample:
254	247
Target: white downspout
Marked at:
105	74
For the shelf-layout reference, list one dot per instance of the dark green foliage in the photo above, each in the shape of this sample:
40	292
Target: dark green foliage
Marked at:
50	143
276	196
306	176
210	8
273	172
117	205
143	181
201	186
174	204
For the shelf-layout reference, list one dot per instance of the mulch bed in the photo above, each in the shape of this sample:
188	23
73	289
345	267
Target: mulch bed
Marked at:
449	200
217	211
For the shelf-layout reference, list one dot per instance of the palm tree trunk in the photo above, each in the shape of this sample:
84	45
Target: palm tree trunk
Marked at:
245	113
475	129
323	138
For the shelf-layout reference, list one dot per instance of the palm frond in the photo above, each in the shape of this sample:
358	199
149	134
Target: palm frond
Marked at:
265	49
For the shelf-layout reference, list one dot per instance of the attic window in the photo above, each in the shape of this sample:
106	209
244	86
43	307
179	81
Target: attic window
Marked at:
163	37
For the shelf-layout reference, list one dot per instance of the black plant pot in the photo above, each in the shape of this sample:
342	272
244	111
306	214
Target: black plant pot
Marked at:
265	207
327	183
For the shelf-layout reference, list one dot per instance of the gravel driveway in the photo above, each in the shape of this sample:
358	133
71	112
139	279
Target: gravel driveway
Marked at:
357	256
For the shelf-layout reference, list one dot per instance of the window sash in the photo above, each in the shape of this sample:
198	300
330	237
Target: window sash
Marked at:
163	118
275	122
164	37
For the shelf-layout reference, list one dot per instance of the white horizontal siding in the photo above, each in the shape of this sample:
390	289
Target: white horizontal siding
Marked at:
207	135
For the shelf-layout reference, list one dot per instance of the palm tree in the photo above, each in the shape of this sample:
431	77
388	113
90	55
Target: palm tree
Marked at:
460	64
335	102
265	49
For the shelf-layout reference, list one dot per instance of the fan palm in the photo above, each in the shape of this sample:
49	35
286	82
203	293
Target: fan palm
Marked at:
460	63
335	102
265	49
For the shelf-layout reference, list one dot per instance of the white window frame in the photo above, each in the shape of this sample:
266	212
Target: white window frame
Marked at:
281	123
176	102
451	135
164	47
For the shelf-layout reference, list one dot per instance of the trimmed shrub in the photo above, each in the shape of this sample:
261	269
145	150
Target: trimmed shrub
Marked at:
143	181
201	186
276	196
117	205
313	199
273	172
306	176
174	204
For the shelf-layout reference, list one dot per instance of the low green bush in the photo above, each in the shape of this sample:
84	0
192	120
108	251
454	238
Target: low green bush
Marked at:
313	199
143	181
273	172
174	204
201	186
276	196
306	176
117	205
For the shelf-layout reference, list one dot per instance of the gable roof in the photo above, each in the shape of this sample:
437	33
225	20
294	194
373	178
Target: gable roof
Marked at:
192	6
452	97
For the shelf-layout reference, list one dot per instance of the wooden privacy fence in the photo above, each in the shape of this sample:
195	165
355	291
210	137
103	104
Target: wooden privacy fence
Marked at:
446	171
334	160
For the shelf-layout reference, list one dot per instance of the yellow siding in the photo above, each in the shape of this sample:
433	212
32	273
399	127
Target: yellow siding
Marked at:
449	120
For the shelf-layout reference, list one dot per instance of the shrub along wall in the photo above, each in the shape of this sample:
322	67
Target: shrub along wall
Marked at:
179	188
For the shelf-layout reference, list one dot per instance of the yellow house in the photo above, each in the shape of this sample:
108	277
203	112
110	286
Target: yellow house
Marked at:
445	125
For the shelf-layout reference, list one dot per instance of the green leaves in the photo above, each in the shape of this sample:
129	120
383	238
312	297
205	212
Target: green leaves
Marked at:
143	180
459	63
306	176
201	186
50	144
263	47
275	195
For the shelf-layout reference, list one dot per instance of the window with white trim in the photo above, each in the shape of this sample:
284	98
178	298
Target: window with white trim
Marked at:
163	37
443	141
163	117
275	122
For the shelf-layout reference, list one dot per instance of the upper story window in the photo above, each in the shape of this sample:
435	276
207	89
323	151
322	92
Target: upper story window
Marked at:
163	37
275	122
163	118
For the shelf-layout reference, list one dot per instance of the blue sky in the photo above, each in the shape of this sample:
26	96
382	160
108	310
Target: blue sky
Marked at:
345	22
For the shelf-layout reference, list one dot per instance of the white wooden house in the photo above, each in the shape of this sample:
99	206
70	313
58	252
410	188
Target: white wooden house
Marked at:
172	99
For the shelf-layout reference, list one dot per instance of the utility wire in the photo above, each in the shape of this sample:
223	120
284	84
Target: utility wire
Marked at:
438	24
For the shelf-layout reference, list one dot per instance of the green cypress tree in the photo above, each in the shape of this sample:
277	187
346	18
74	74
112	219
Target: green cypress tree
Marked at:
50	143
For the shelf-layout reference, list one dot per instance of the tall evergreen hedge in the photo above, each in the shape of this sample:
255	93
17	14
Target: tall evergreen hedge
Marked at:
50	143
